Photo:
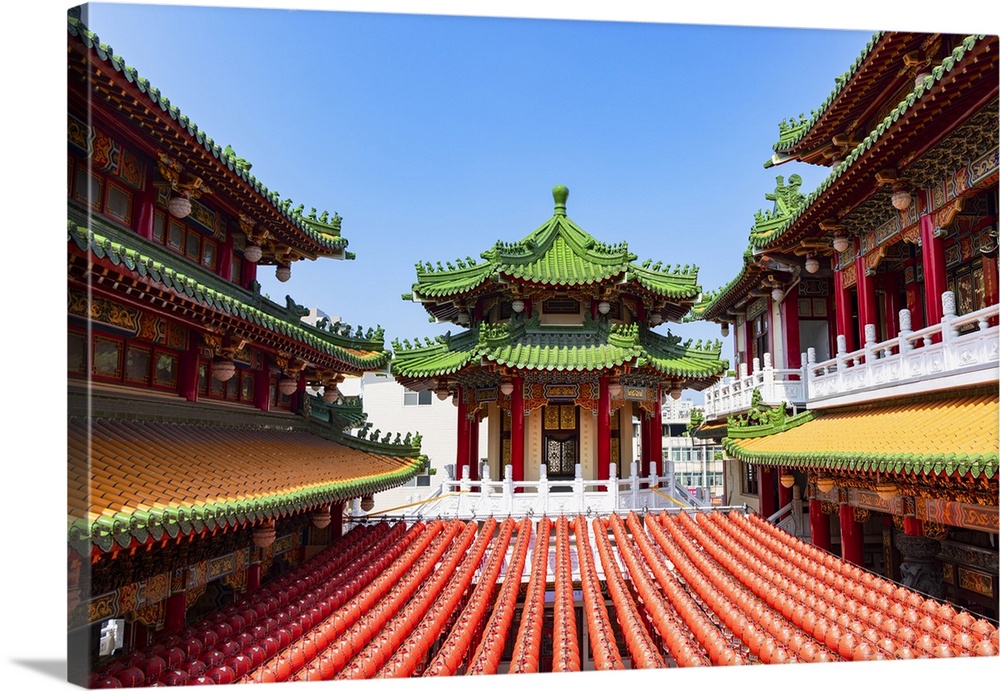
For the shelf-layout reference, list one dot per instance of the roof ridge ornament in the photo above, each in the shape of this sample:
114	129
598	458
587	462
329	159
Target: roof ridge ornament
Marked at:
560	193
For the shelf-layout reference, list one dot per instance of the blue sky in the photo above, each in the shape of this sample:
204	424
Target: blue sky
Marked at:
433	137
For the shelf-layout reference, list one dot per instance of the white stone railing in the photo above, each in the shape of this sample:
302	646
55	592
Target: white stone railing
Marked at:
939	356
468	499
734	394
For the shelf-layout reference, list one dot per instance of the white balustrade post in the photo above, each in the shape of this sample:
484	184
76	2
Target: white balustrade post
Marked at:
905	329
508	488
841	360
634	483
653	483
613	485
485	487
948	309
869	353
463	490
578	487
543	488
767	379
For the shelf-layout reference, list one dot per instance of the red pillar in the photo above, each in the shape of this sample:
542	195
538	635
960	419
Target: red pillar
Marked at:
890	304
473	425
188	374
337	521
852	536
174	612
819	525
842	303
517	429
262	390
249	274
935	276
253	578
224	259
790	329
299	398
656	433
644	441
765	491
462	445
867	313
913	526
604	430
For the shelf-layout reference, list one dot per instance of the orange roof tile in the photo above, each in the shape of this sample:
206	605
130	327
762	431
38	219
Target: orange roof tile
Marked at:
942	435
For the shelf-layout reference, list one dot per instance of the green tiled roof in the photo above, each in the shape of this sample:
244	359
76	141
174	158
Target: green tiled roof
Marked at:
557	253
321	230
595	346
792	132
142	259
713	305
953	61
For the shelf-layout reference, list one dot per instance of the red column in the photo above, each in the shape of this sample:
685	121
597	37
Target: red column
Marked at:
249	274
913	526
253	578
604	430
819	525
852	536
935	276
644	441
656	433
146	207
262	389
517	429
337	521
765	491
748	350
224	259
188	374
842	302
914	299
174	611
462	445
890	304
790	329
473	425
299	397
867	313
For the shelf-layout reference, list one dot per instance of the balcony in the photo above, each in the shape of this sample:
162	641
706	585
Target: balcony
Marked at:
476	499
734	395
960	351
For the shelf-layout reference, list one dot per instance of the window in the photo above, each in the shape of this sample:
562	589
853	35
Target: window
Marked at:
189	241
119	204
749	478
137	361
417	397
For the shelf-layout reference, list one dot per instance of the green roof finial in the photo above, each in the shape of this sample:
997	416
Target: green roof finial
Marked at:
560	193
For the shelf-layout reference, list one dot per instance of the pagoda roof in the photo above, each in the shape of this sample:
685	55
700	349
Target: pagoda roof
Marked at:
973	61
558	254
941	435
136	479
875	74
525	345
109	81
134	259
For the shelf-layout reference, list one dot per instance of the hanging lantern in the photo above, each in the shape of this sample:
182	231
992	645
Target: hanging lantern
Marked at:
330	393
517	306
283	272
675	393
223	370
725	329
812	264
321	517
614	388
263	535
288	386
368	502
442	392
901	197
655	319
777	293
507	388
787	480
252	253
603	307
825	484
179	206
841	243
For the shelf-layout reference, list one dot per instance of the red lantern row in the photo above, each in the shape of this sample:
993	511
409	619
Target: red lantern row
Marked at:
528	643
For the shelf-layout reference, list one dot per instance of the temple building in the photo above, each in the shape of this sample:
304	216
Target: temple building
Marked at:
221	525
865	322
199	468
558	351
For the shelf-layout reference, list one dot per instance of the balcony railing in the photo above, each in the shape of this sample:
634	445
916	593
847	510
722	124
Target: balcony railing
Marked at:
959	351
469	499
735	394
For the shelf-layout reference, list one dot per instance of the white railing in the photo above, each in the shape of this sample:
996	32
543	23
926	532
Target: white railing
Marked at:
469	499
936	357
734	395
